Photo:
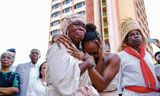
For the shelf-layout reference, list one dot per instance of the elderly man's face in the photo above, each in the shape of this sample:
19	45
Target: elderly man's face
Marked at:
34	55
76	31
134	38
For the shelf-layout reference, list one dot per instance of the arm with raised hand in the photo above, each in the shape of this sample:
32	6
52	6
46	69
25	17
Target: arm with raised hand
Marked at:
88	60
61	38
101	81
100	78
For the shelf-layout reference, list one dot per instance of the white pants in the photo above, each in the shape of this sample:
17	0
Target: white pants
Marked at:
131	93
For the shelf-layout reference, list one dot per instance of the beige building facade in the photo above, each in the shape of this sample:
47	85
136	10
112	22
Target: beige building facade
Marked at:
105	14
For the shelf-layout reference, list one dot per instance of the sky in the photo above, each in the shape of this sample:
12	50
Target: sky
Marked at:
24	24
153	16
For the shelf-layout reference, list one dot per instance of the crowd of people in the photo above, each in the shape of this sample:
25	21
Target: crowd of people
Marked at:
27	79
77	65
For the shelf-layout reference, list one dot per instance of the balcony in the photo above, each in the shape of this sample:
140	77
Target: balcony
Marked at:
78	1
55	10
55	27
55	18
79	9
103	4
105	24
55	2
106	35
67	5
65	14
104	14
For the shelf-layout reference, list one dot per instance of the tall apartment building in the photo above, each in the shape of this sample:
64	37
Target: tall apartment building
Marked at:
104	25
142	19
105	14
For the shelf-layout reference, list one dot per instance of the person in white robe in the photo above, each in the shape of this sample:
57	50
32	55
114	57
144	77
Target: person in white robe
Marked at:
104	74
66	75
137	75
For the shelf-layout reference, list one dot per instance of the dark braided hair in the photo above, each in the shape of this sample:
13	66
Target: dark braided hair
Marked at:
91	34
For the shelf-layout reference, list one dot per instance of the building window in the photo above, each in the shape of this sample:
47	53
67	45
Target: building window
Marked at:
55	23
81	13
55	14
66	10
79	5
56	6
55	32
66	2
62	19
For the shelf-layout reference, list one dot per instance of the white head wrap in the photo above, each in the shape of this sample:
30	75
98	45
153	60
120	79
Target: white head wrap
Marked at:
127	26
70	19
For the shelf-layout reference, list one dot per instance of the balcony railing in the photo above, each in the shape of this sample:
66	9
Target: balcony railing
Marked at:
104	14
104	4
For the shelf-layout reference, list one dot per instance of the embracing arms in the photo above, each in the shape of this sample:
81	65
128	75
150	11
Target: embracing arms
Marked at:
9	90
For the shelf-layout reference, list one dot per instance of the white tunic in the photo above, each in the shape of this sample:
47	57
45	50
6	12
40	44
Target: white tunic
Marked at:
36	89
130	72
63	72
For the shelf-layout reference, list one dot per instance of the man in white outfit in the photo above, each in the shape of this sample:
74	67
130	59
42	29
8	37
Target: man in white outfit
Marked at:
28	72
137	75
66	75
